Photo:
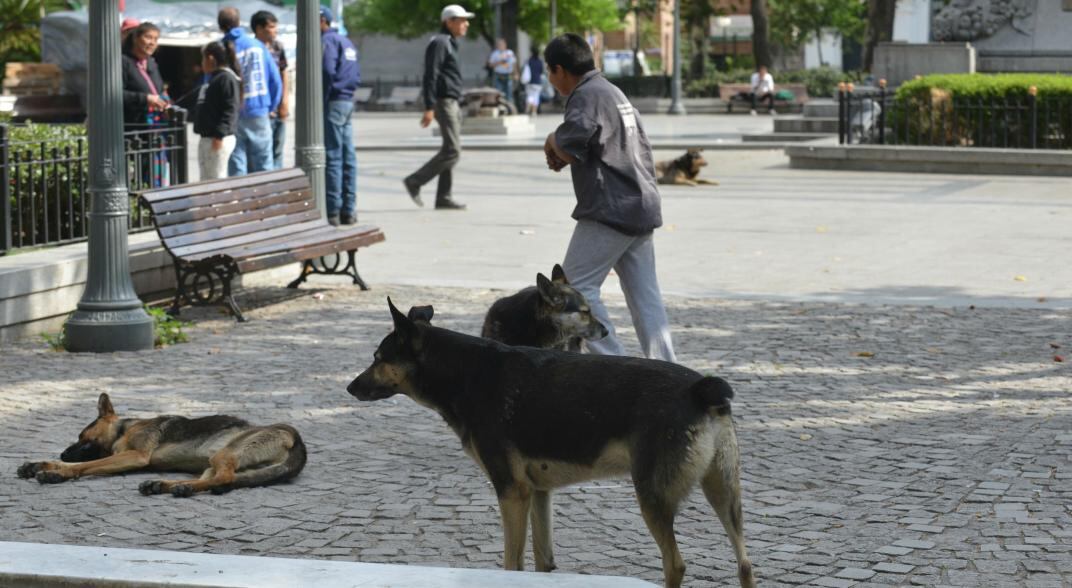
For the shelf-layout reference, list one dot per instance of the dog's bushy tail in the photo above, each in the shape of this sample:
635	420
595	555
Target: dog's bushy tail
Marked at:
712	393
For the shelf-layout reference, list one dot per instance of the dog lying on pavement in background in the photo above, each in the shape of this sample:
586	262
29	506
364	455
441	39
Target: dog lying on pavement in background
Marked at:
684	170
227	452
550	315
538	419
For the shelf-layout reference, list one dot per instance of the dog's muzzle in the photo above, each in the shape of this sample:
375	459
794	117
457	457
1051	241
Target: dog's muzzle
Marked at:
79	452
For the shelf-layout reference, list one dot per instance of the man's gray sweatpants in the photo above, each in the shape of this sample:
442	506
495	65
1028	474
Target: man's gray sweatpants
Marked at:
449	117
596	248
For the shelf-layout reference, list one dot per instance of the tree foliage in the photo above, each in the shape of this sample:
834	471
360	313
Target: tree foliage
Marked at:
412	18
795	22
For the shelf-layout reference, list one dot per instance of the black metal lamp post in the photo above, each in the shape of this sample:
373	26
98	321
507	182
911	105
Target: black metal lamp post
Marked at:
309	125
110	316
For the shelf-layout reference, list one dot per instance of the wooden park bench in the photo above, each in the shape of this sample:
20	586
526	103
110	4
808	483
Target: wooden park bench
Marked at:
400	98
732	94
217	229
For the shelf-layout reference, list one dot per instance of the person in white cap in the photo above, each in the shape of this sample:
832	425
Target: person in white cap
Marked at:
442	88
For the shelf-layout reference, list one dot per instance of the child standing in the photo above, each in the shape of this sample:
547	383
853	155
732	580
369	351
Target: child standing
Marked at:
618	203
217	110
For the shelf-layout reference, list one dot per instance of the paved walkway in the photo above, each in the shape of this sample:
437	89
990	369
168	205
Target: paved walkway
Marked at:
944	458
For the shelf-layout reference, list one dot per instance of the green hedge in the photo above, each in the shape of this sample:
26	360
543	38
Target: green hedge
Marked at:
986	86
820	81
984	110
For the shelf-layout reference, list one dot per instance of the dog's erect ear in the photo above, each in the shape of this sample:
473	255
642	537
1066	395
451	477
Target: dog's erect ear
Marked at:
404	327
421	314
104	405
558	276
547	290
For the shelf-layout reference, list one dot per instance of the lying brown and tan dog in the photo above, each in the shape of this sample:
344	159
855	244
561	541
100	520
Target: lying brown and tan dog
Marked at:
226	452
684	170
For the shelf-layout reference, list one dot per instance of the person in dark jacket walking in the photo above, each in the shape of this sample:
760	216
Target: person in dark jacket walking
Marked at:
218	103
442	87
341	77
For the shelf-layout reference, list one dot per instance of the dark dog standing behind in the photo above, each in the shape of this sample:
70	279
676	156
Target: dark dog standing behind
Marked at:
226	451
550	315
683	171
536	419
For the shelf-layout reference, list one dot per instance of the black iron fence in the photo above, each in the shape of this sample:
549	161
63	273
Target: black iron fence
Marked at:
44	195
878	116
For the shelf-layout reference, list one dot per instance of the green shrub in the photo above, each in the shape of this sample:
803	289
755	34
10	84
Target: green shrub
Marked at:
984	110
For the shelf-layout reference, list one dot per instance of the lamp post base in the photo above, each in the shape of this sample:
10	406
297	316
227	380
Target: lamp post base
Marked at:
104	331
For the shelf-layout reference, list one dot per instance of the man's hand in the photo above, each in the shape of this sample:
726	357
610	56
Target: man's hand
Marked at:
155	102
554	162
283	111
217	144
427	118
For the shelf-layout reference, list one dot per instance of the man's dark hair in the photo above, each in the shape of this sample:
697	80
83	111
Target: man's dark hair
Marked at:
228	18
570	52
261	18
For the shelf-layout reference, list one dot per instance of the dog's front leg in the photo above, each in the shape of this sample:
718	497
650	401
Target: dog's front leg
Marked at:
514	503
54	472
542	544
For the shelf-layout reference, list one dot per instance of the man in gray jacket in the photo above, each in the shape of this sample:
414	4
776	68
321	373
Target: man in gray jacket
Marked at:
442	87
604	144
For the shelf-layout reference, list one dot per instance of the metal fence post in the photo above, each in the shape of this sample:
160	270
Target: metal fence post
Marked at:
181	170
882	111
5	193
841	113
849	87
1032	101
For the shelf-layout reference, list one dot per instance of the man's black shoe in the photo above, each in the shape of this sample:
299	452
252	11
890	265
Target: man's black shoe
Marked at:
414	192
348	219
333	221
449	204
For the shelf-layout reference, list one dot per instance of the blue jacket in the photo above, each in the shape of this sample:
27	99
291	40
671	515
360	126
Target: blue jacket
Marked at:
262	87
342	73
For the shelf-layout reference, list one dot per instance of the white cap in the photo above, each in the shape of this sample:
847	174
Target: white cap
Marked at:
455	11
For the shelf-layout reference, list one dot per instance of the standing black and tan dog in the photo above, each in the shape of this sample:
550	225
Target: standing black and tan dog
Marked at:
683	171
535	420
226	451
550	315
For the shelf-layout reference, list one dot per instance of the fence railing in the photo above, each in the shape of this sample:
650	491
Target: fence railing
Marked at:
44	196
878	116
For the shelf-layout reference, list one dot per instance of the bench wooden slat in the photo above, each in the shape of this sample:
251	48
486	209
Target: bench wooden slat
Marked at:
191	217
190	252
239	195
280	206
310	236
223	184
311	252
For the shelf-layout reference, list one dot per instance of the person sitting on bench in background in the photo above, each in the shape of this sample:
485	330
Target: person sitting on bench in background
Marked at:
762	89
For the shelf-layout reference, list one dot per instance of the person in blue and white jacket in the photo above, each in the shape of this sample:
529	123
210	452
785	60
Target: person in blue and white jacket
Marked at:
341	77
262	90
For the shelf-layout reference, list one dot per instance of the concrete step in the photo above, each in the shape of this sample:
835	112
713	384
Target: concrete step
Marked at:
821	108
47	566
782	137
796	124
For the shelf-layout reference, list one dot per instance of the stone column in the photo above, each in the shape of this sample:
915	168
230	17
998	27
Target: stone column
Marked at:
309	123
676	105
110	315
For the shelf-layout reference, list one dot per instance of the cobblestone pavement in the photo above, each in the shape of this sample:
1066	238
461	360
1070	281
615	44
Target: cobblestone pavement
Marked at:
881	445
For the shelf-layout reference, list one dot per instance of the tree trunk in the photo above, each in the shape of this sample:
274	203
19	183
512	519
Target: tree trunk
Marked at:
880	15
819	45
509	23
760	33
